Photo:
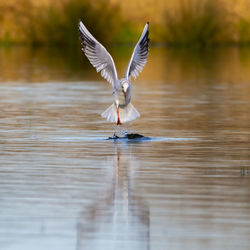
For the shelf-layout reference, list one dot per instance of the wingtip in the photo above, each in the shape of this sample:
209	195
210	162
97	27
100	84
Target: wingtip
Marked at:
79	23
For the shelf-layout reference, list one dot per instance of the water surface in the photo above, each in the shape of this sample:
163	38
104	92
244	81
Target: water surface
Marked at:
64	186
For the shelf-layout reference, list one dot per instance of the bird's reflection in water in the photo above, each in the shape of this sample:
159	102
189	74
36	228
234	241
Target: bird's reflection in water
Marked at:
120	220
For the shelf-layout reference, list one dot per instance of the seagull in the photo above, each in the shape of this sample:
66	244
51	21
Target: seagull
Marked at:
121	111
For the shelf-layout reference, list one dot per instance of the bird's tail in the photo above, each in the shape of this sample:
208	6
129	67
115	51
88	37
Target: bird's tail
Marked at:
127	114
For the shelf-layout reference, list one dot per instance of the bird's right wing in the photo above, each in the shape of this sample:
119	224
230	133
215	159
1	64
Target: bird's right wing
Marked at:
97	55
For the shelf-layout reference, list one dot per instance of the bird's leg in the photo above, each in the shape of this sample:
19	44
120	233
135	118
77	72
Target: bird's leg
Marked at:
116	132
118	119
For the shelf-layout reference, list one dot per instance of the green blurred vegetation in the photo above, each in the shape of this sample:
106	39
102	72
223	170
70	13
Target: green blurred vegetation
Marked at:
244	31
56	23
59	25
187	23
198	24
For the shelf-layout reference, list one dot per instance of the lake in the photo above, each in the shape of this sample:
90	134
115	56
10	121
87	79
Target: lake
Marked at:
64	186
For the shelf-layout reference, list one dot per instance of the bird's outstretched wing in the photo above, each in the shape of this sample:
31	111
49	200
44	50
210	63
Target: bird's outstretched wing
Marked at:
139	56
97	55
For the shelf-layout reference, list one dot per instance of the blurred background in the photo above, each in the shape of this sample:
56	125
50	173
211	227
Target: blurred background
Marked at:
63	185
181	22
195	34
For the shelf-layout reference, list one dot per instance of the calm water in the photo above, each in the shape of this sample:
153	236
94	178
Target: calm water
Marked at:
63	186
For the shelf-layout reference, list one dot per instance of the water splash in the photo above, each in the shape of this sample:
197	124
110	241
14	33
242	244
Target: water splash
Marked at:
121	131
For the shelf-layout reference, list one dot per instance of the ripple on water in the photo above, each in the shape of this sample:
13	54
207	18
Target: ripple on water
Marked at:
129	138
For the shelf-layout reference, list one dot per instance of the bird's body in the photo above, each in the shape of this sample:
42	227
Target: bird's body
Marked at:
121	111
121	98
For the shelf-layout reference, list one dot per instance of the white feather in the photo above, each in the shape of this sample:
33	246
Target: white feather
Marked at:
98	55
139	56
126	114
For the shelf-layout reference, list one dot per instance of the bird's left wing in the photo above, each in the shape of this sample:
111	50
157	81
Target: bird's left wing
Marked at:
97	55
139	56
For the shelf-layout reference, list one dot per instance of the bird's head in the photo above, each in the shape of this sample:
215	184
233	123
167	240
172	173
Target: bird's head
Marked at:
125	86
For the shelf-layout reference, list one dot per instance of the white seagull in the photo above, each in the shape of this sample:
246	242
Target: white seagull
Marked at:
121	111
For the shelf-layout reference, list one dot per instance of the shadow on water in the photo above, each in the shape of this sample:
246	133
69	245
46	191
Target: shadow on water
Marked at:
171	64
121	219
129	137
